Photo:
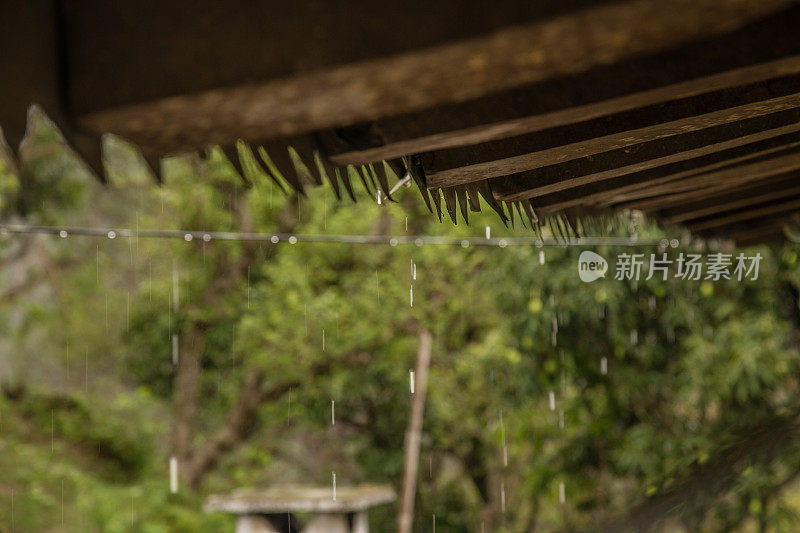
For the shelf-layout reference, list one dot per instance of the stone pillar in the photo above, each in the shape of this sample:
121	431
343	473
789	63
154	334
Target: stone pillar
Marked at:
254	523
328	523
360	522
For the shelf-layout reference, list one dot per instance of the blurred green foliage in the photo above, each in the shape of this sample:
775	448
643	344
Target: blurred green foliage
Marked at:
85	422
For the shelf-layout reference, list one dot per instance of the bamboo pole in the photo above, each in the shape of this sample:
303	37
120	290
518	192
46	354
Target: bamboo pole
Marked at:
414	433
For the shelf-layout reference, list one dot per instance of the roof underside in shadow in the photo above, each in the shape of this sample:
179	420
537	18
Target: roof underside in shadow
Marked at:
686	109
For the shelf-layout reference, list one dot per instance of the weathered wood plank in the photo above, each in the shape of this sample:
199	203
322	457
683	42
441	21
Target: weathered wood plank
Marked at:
766	231
635	186
559	154
787	206
703	185
545	184
582	113
643	190
706	184
126	52
748	228
740	198
768	39
421	79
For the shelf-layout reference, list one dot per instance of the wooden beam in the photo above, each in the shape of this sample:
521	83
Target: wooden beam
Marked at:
772	236
417	80
748	230
755	194
594	185
705	184
618	141
787	206
605	200
582	113
772	233
768	39
644	190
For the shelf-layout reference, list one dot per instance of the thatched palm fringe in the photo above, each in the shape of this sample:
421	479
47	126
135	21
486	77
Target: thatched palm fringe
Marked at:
301	162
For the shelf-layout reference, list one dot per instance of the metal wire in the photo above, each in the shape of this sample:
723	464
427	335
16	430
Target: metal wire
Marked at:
292	238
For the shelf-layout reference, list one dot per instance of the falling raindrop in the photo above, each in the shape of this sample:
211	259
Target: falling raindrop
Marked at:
333	415
554	334
541	257
248	289
233	348
411	294
552	396
561	419
634	337
604	366
379	196
411	381
289	408
175	349
561	493
333	474
488	233
503	439
173	475
323	340
503	497
414	272
175	287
